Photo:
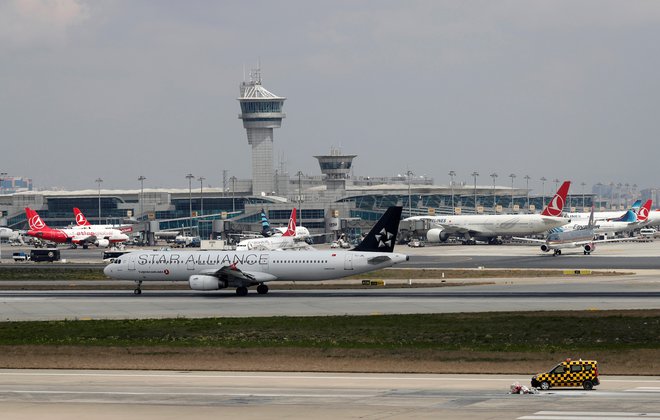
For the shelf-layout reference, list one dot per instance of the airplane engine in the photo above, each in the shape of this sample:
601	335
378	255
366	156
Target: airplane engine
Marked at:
436	235
204	282
103	243
589	247
545	248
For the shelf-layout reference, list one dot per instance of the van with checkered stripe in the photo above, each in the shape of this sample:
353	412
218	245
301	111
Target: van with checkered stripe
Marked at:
570	373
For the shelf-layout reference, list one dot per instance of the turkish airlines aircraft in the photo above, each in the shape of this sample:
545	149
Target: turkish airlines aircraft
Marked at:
627	222
289	239
214	270
81	235
81	220
490	227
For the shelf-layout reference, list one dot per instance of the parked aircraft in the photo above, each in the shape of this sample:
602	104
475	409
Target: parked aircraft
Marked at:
10	235
267	230
81	235
602	215
214	270
582	237
81	220
288	240
627	222
491	227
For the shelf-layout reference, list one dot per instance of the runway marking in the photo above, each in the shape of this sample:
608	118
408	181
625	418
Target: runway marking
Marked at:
589	415
644	389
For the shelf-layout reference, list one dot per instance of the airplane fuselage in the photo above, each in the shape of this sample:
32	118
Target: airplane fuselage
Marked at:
263	265
497	225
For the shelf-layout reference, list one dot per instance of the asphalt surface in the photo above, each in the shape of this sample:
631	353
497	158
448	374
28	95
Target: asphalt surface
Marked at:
64	394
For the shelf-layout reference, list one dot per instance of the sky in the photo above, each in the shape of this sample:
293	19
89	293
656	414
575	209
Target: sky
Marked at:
118	89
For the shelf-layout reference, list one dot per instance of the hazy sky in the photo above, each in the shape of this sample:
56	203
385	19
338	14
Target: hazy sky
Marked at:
118	89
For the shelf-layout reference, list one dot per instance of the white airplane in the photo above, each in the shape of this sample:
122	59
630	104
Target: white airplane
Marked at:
490	227
81	220
627	222
10	235
288	240
80	235
214	270
582	237
603	215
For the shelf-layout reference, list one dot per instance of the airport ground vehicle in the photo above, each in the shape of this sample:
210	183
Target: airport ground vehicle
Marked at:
48	254
415	244
20	256
569	373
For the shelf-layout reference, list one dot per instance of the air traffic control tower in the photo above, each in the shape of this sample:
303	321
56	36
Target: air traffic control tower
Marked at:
261	111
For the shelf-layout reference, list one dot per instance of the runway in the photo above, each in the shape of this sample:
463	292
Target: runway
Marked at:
161	395
627	292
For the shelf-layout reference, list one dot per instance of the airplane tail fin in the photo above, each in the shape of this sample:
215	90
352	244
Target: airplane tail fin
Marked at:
34	220
591	219
291	227
265	225
382	237
636	205
643	212
556	205
81	220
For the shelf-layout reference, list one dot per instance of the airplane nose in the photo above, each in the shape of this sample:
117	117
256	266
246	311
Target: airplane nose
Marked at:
108	270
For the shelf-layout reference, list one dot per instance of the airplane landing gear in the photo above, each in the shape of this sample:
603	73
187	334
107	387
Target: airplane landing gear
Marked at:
138	290
242	291
557	252
262	289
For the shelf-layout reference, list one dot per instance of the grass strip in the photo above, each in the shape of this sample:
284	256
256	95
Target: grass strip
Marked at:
498	332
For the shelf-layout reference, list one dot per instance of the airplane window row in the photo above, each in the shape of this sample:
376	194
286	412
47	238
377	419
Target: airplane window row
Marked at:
301	261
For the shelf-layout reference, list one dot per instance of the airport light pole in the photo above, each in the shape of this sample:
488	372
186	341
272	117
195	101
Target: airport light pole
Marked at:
452	174
611	195
141	178
543	179
201	195
527	178
494	176
475	174
299	174
99	181
512	176
233	193
190	178
409	174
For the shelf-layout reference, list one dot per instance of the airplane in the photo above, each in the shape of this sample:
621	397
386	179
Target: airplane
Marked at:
81	220
81	235
604	215
214	270
581	237
288	240
629	221
268	230
490	227
10	235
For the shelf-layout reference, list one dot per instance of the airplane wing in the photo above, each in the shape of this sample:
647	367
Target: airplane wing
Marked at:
236	277
91	239
537	241
453	229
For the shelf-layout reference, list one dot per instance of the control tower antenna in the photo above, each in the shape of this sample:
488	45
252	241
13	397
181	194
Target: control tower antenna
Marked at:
261	111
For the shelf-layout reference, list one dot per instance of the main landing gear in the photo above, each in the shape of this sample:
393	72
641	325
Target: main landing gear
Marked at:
138	290
557	252
262	289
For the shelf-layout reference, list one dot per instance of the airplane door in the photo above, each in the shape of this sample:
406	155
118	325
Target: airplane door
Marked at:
190	264
348	261
263	262
131	263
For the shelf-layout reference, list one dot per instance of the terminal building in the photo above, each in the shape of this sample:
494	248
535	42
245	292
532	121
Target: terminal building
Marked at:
332	202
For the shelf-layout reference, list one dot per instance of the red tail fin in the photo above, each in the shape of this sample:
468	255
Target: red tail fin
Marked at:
556	205
643	212
291	227
34	220
81	220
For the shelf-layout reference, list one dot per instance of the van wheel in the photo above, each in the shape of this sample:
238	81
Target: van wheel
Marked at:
545	385
588	385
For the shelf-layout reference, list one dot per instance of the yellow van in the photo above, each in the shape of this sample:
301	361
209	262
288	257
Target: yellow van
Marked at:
570	373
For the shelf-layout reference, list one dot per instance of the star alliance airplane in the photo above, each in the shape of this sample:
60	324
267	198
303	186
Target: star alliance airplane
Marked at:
214	270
